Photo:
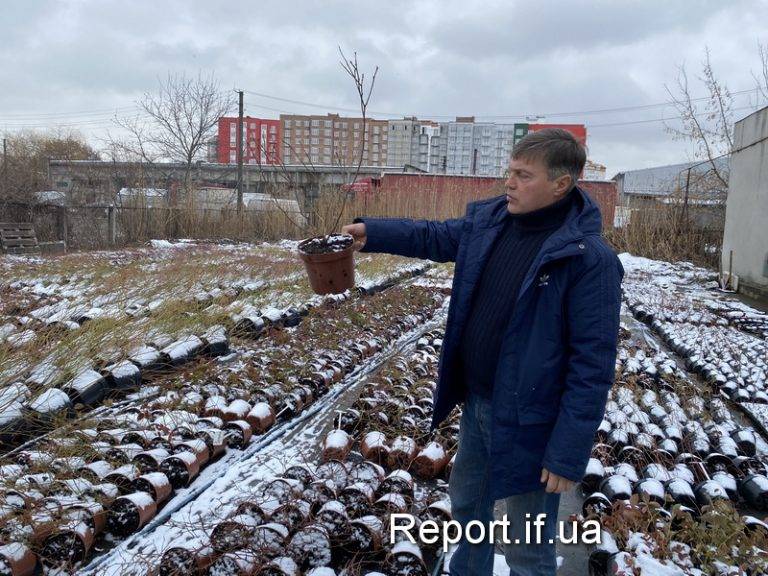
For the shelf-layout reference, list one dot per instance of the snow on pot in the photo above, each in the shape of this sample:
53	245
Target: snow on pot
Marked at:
329	262
123	477
334	517
357	498
239	433
335	471
238	563
180	561
398	482
130	513
336	445
616	487
681	492
146	358
233	533
69	544
600	556
292	514
261	417
301	472
754	489
280	566
124	375
390	503
402	452
156	484
150	460
310	547
96	471
216	441
269	539
181	351
49	404
708	491
405	559
430	461
253	509
17	560
593	475
368	472
197	446
216	341
215	406
650	488
365	536
236	410
318	493
180	469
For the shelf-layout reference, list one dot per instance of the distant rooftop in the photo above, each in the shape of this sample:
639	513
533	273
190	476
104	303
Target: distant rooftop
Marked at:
664	180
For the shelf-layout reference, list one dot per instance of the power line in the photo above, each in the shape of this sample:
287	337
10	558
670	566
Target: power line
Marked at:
489	116
86	113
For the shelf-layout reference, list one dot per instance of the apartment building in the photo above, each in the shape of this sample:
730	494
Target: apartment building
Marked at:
333	140
413	142
261	141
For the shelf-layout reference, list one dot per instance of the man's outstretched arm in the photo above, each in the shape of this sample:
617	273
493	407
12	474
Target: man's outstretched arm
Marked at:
427	239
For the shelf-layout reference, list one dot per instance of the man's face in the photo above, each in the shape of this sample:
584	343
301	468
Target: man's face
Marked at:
529	188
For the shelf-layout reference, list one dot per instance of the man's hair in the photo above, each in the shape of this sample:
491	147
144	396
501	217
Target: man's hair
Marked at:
557	148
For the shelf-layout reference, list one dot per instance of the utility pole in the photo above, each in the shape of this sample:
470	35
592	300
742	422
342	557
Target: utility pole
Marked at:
240	154
5	168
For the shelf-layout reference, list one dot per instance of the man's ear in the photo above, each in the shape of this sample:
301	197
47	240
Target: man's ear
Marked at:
563	183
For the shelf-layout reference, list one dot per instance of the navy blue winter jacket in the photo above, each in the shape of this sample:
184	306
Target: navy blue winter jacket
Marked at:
558	353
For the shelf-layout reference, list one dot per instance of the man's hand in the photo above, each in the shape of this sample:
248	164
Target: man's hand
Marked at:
556	483
358	233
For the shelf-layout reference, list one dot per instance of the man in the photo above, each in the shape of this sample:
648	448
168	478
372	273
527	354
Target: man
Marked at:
529	345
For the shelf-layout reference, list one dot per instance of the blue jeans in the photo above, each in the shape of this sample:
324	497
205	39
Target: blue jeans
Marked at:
470	500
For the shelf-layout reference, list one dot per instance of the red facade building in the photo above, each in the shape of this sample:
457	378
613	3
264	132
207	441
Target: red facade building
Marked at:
262	141
578	130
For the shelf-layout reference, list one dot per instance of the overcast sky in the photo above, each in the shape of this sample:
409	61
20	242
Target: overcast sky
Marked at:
75	62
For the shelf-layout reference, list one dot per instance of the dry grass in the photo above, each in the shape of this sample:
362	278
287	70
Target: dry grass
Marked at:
662	234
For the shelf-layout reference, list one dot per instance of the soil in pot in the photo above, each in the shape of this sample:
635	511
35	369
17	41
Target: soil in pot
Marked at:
329	261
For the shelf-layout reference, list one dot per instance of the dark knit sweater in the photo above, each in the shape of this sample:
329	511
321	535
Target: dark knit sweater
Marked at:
494	299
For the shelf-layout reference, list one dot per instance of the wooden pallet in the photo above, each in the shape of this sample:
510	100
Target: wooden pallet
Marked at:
18	237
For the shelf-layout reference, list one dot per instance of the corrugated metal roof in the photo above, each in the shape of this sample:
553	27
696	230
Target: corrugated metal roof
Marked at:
664	180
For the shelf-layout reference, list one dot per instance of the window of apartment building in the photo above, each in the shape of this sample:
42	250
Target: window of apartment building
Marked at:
344	125
315	140
327	123
326	159
375	129
327	141
375	157
233	156
356	125
288	123
314	151
315	123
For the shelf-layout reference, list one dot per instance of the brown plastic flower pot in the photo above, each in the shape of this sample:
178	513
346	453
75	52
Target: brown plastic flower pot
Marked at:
430	461
17	560
261	417
130	513
329	272
70	544
233	533
198	447
179	560
239	433
156	484
181	469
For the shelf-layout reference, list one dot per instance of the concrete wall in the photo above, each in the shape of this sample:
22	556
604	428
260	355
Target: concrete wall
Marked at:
746	216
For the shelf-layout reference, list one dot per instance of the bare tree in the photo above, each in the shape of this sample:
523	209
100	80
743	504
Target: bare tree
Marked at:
707	123
176	122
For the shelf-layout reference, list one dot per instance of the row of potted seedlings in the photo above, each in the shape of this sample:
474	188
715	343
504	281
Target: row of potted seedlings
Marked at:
331	517
23	416
668	459
132	457
733	361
